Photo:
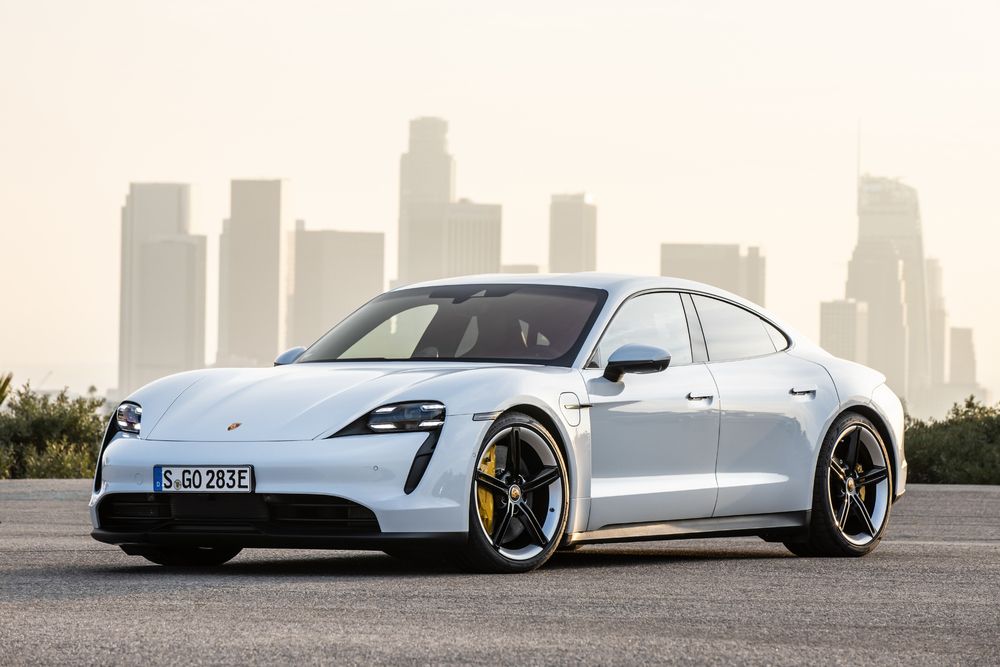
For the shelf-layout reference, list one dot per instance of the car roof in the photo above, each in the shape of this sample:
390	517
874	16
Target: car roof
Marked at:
618	285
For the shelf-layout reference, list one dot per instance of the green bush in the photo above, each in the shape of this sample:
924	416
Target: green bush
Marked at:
42	435
61	459
962	448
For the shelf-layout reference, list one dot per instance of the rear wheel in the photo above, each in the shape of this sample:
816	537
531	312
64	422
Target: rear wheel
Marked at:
852	492
519	498
188	556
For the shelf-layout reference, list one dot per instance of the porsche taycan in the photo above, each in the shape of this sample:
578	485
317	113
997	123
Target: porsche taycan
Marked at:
495	420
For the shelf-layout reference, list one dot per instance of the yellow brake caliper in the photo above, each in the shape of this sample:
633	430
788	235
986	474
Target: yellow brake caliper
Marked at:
485	496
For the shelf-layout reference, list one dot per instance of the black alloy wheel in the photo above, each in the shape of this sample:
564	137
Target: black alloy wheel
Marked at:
852	491
519	498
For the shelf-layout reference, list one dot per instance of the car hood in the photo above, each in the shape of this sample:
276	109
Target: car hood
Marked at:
295	402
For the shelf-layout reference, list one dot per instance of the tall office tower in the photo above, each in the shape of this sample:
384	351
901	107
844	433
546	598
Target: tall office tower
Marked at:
335	273
572	234
426	187
717	264
875	276
843	329
519	268
888	211
162	306
937	322
963	357
256	254
471	238
754	269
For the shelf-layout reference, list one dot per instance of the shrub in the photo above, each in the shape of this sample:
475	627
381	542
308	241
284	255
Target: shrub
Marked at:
61	459
32	423
962	448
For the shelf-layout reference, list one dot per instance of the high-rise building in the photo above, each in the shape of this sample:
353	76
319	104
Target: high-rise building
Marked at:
256	255
963	357
572	234
426	187
889	211
843	330
962	382
937	322
335	273
162	297
438	236
875	276
717	264
471	238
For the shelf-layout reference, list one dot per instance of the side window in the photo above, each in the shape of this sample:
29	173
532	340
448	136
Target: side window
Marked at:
778	338
648	319
730	331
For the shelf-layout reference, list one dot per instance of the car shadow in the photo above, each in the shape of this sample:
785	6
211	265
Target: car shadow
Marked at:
375	564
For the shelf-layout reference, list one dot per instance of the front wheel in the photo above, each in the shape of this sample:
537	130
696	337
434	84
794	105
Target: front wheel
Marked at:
852	492
519	498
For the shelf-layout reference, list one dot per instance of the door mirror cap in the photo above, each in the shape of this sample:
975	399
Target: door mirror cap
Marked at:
289	356
636	359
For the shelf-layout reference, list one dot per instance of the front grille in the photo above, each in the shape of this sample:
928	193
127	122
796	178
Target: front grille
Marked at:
267	513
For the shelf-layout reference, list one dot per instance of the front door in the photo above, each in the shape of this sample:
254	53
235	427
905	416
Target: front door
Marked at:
654	436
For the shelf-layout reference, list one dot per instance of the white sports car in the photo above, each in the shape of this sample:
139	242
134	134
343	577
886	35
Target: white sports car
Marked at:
497	419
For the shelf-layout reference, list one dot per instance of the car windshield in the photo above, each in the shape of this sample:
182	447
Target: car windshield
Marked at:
542	324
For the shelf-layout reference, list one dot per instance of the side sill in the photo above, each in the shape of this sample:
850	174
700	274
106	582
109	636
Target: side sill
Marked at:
723	526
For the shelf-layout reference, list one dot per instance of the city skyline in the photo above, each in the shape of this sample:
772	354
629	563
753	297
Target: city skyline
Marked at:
764	155
289	288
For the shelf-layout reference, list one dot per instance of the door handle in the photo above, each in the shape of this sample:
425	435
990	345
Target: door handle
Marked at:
803	390
700	396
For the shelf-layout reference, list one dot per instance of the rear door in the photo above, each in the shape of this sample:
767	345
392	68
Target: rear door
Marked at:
773	409
654	436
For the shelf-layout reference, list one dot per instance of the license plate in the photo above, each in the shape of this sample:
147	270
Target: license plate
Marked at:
203	479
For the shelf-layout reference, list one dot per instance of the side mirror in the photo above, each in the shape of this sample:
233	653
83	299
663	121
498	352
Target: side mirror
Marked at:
289	356
636	359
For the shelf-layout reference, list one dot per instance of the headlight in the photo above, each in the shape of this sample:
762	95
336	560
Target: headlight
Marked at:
129	417
417	416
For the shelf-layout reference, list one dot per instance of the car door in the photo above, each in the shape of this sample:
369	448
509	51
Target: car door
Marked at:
773	409
654	436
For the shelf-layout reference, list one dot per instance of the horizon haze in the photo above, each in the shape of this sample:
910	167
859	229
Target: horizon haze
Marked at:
685	124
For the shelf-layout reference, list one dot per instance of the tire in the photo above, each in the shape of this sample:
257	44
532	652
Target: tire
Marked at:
189	556
519	498
852	492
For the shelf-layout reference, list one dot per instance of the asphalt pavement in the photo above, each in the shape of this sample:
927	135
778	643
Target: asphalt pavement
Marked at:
930	594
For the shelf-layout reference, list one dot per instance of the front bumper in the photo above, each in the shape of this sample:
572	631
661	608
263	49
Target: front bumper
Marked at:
369	470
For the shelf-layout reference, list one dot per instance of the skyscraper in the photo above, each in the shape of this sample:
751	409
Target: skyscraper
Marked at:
426	187
335	273
162	297
937	321
963	358
717	264
256	254
875	276
843	330
439	237
889	212
572	234
471	238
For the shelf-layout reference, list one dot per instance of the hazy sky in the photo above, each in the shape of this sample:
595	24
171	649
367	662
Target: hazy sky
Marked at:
689	122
